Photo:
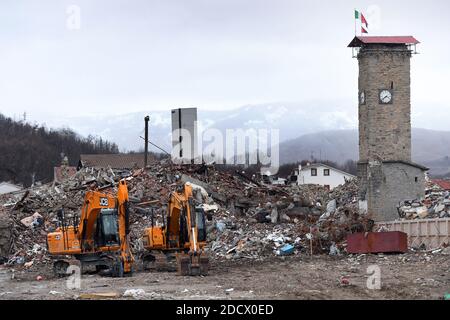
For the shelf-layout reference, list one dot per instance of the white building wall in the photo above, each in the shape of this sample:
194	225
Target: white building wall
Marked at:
333	180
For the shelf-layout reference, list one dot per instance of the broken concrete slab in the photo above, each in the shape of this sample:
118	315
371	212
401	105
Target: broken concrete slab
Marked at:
34	220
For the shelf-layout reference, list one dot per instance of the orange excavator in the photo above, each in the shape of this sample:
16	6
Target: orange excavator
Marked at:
183	233
100	237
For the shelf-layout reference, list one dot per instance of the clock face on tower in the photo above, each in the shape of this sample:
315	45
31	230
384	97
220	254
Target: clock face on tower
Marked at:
362	97
385	96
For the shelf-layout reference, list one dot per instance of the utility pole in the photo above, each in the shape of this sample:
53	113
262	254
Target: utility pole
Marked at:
147	119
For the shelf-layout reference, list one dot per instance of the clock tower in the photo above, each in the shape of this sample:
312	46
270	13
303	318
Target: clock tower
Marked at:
384	113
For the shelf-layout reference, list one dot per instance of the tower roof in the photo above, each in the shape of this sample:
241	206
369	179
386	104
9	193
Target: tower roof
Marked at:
358	41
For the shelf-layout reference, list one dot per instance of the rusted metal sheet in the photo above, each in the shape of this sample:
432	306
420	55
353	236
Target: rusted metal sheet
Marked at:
377	242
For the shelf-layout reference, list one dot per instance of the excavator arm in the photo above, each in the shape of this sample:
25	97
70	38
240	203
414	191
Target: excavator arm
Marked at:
194	262
124	226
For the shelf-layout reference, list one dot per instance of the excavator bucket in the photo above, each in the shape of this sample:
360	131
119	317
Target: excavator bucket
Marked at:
192	265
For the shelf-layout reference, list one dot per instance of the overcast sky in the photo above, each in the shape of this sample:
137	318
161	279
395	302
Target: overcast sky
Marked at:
137	55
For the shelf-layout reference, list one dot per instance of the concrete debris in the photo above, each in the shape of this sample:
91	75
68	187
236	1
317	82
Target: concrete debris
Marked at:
210	207
274	215
33	221
134	293
334	250
55	293
331	206
220	226
436	204
5	235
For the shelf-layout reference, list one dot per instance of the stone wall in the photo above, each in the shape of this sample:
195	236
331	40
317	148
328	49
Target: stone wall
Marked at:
384	184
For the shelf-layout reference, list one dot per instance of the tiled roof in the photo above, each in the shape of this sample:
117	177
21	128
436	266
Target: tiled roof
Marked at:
444	184
358	41
115	161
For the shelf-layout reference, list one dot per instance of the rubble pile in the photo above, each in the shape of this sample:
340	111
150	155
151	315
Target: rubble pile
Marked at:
303	225
49	197
247	219
436	204
5	235
223	188
32	213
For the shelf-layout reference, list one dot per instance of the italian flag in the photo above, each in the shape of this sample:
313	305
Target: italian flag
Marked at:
359	16
363	20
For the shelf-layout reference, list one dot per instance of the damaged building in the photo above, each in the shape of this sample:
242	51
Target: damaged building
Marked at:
385	170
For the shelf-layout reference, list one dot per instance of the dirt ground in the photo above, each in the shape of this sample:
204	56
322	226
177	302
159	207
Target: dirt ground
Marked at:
406	276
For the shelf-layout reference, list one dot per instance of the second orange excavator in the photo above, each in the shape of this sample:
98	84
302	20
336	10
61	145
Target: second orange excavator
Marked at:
183	234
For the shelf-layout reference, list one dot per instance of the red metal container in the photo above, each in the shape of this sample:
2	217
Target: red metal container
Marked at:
377	242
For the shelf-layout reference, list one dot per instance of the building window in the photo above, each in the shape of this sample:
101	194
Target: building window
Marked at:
326	172
313	172
416	179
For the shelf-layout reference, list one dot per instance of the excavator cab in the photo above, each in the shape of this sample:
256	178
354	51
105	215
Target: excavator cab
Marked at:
107	230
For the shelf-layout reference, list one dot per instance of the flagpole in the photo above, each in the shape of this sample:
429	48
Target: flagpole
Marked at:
354	18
